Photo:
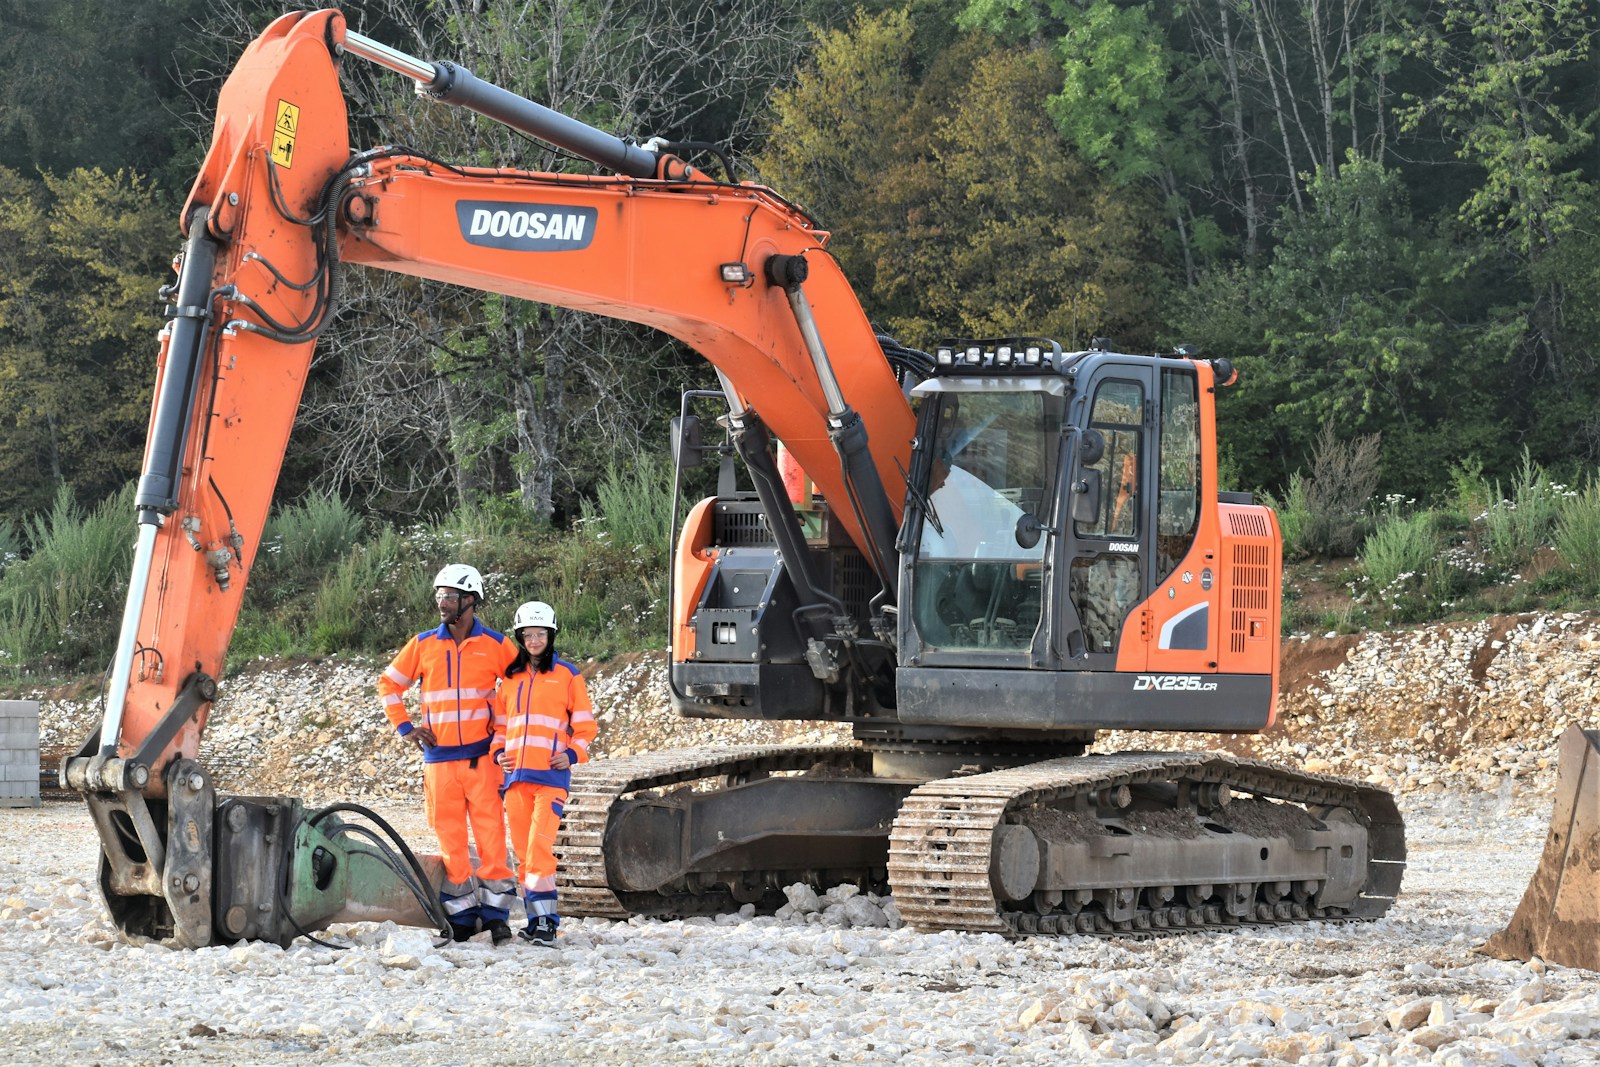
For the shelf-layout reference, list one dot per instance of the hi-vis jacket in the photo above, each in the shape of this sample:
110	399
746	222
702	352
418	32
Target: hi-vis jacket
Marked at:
457	688
541	714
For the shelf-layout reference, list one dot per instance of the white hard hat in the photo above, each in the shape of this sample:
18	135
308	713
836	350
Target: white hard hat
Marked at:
534	613
462	577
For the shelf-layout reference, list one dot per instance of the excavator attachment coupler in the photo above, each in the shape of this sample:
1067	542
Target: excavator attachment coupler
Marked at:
1559	917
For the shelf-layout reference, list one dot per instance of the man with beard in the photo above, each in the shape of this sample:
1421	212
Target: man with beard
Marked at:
458	665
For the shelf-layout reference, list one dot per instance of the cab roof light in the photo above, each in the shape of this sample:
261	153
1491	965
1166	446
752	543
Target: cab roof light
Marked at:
1018	353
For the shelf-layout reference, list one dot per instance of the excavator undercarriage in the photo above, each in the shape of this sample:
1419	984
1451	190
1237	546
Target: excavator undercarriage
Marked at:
1132	843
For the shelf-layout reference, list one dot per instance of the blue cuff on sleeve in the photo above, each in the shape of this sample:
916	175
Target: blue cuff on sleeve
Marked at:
405	728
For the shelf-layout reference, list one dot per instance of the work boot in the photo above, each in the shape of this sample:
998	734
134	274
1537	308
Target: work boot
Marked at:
458	932
498	930
541	931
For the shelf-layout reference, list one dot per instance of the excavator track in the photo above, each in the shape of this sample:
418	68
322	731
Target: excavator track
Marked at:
582	880
942	859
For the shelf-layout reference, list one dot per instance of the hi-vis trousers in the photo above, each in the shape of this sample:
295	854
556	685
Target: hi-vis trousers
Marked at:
535	815
460	793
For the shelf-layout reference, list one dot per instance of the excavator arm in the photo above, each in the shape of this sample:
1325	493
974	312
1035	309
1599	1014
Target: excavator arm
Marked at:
281	204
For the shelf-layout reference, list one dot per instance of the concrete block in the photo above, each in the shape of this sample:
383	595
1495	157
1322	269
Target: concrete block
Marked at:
19	709
19	753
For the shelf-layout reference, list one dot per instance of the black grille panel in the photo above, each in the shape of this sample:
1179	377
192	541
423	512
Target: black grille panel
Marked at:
740	524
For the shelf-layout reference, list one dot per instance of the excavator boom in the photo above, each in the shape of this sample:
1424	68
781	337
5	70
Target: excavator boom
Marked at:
279	205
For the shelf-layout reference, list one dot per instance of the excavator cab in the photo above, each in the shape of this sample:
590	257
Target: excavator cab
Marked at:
1066	564
1065	545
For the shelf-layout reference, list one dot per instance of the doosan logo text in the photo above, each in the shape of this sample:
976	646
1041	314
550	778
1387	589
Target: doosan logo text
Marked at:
526	227
1172	683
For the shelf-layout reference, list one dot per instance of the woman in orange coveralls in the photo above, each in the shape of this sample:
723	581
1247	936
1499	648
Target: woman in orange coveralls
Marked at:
547	722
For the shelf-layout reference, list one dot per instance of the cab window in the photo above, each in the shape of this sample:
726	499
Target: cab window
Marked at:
1118	413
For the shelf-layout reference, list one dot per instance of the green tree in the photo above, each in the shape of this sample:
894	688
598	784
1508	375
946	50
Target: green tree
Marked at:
81	259
94	83
941	234
1126	107
1514	94
1363	323
1227	107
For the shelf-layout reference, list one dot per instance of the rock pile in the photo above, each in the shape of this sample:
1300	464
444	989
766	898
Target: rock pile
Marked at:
1475	706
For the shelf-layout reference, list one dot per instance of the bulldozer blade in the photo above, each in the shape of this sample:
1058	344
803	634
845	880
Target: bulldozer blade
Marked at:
1559	917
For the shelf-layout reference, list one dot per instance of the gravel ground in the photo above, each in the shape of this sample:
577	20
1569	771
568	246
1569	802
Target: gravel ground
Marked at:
1460	722
805	989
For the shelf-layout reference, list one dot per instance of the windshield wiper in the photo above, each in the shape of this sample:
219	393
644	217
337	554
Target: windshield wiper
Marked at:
920	498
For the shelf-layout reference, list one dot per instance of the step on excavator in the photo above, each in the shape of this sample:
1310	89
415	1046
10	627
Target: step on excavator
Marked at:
978	555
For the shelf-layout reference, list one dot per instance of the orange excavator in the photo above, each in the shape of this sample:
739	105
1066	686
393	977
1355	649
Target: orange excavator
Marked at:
998	549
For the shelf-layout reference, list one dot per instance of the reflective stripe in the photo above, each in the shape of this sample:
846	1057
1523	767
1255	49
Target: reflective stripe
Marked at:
458	905
581	744
539	883
458	889
448	696
444	700
393	698
517	742
498	901
396	677
452	693
549	722
583	715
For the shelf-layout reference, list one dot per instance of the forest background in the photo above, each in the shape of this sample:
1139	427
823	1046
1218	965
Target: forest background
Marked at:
1383	211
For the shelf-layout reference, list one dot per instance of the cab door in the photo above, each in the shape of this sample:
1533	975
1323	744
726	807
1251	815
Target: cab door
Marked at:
1184	613
1106	570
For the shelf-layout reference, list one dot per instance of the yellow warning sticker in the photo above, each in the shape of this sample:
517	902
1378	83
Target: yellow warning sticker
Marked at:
283	134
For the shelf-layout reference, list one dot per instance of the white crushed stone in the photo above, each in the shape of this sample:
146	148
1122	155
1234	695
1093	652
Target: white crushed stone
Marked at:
1460	721
811	986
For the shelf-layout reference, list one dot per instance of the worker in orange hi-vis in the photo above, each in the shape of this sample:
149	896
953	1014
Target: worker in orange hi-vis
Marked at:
543	707
458	665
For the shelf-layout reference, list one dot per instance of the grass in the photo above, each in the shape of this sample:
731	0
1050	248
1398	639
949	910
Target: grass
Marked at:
329	580
1577	538
1518	524
61	603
